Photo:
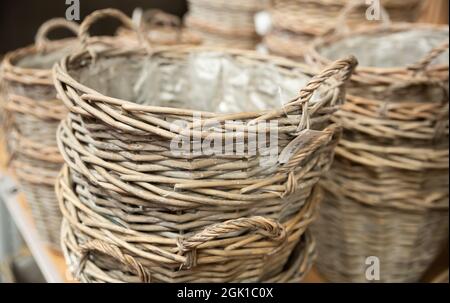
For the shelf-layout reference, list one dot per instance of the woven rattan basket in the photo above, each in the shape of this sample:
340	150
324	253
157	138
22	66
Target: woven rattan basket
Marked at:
225	23
387	192
193	216
296	23
33	114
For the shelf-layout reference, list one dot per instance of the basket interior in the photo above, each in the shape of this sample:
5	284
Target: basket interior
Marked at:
43	60
210	81
398	49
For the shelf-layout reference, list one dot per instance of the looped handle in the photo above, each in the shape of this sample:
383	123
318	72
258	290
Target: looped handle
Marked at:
341	21
113	251
344	66
264	226
423	63
41	38
84	35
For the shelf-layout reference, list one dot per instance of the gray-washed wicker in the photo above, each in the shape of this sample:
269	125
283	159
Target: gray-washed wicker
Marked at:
137	212
296	23
33	114
387	192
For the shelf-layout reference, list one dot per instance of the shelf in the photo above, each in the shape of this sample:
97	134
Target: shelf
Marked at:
50	261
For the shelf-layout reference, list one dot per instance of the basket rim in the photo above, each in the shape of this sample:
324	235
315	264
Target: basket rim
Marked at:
10	70
60	70
314	55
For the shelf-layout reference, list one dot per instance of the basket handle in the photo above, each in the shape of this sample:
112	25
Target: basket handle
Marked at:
84	35
350	7
41	38
113	251
423	63
344	66
264	226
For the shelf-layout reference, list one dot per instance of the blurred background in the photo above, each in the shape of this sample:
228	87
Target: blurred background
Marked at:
20	18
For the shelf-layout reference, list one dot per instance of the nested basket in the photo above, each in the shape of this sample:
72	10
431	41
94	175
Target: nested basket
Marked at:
297	23
387	192
225	23
136	209
161	28
33	114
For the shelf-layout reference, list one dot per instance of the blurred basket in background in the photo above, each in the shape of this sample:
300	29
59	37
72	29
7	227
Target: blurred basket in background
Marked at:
33	114
161	28
135	210
225	23
387	192
296	23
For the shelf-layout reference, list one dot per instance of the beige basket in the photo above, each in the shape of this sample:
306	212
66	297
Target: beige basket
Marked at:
296	24
225	23
161	29
387	192
33	114
169	217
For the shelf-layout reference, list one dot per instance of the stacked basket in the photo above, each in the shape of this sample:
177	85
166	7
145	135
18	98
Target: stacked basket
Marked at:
225	23
387	192
296	23
137	209
33	114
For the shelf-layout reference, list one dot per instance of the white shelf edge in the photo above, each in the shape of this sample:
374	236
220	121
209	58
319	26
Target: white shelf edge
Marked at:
26	227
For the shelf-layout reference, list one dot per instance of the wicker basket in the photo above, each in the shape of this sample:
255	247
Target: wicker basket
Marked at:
180	217
225	23
162	29
33	114
387	192
295	24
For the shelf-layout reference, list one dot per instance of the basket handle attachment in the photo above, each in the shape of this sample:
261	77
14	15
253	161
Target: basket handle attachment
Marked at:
41	39
341	27
84	35
263	226
343	67
113	251
423	63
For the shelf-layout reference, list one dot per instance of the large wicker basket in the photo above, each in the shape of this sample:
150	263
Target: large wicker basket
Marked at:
168	216
296	23
387	192
33	114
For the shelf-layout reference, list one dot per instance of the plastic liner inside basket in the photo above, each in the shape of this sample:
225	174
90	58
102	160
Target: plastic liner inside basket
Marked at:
207	81
44	59
389	49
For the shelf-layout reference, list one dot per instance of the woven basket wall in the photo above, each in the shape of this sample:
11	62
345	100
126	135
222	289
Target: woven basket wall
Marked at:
136	211
387	192
225	23
296	23
33	113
